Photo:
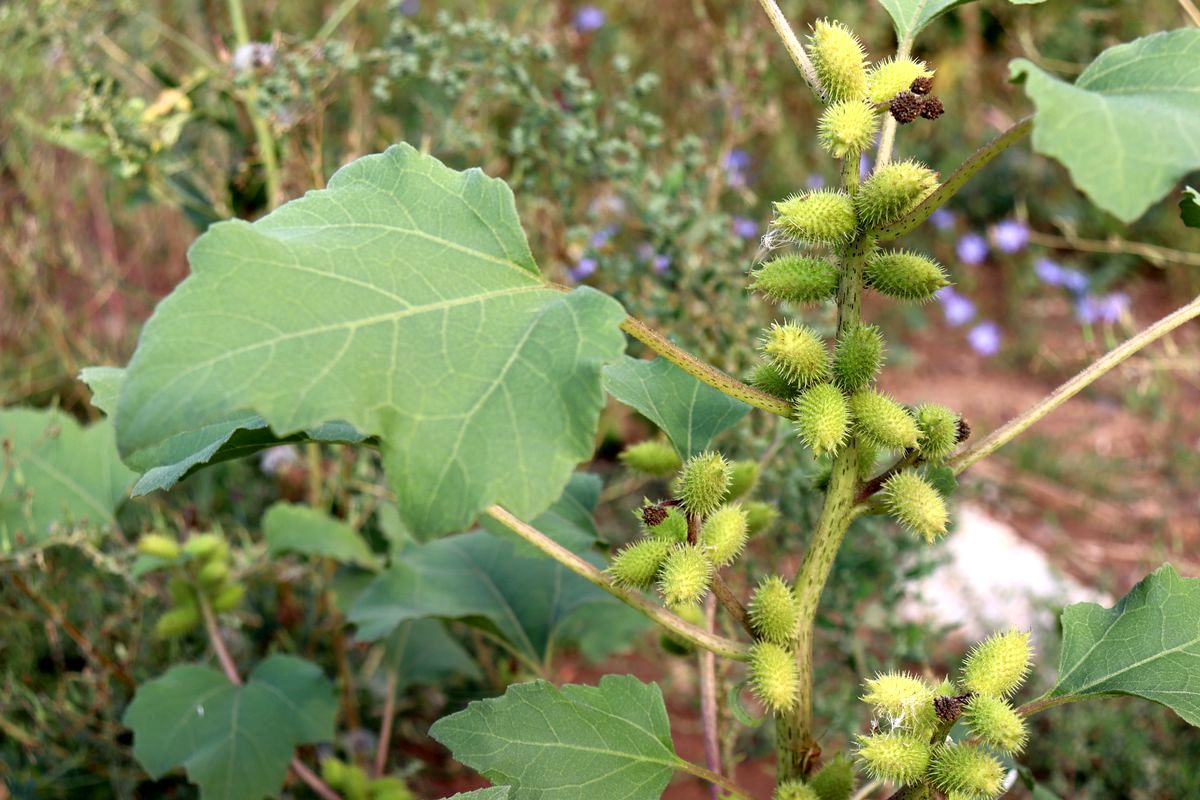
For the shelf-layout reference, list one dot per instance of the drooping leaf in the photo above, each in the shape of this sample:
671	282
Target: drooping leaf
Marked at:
235	742
422	653
237	436
689	412
1189	207
568	522
1129	127
404	301
481	579
1147	645
300	529
611	741
55	473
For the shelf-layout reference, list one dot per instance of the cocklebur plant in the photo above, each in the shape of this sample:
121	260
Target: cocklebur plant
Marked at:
481	384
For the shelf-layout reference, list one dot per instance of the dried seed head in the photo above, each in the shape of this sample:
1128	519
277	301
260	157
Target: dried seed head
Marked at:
996	723
840	61
932	108
637	564
858	357
905	107
685	575
774	611
918	506
998	666
890	77
891	191
774	678
880	419
922	84
824	216
724	534
822	418
797	352
797	279
948	708
847	128
967	771
652	515
896	757
964	430
673	527
702	483
651	457
904	275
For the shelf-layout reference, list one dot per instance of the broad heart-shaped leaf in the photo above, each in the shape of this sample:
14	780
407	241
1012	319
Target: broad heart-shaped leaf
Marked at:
689	412
300	529
421	652
484	580
1147	645
402	300
55	473
237	436
234	741
1129	127
574	743
1189	207
910	17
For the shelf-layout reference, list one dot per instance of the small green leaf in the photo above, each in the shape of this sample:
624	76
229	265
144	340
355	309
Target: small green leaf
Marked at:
235	742
423	653
1189	207
1147	645
611	741
912	16
689	412
55	473
485	581
302	529
1129	127
403	301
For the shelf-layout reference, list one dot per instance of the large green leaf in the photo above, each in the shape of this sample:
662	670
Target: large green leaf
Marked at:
1189	207
521	597
234	741
237	436
1129	127
910	17
55	473
691	413
1147	645
300	529
574	743
421	652
493	793
402	300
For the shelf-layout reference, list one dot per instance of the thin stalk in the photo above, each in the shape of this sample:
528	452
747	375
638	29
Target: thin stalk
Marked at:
385	725
1074	386
703	371
231	673
793	46
336	18
263	139
978	160
727	648
731	604
733	791
1044	703
708	698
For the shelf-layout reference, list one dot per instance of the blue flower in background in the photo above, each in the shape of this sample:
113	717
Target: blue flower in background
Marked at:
588	19
604	235
661	263
1107	309
1053	274
737	162
409	8
971	248
942	219
1010	235
864	167
984	338
815	182
745	227
582	269
957	309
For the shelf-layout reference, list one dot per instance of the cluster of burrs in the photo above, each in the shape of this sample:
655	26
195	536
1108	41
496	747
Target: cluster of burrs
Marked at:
910	743
833	394
201	567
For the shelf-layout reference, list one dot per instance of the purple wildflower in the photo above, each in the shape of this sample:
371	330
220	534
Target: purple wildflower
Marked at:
815	181
588	19
645	251
409	8
957	309
1074	280
1010	235
1107	309
275	460
603	236
737	162
864	167
1048	272
661	263
582	269
972	249
942	219
984	338
745	227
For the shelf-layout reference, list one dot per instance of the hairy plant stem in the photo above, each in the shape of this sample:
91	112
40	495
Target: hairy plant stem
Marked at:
228	667
730	603
1093	372
708	698
656	613
793	46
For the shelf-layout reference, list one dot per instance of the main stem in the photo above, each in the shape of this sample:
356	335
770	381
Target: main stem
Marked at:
796	747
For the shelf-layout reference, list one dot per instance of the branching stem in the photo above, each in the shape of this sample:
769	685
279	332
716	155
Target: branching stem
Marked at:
680	627
792	44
